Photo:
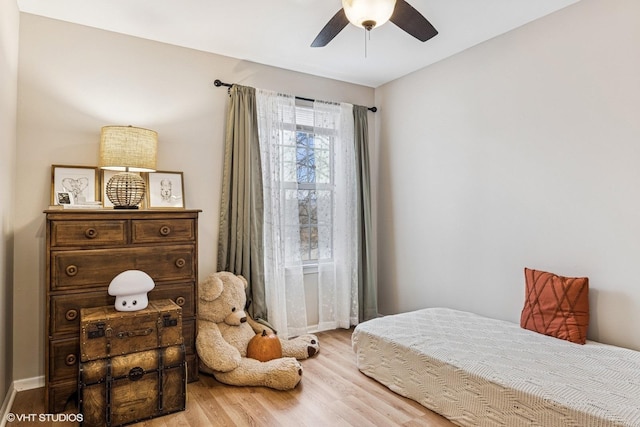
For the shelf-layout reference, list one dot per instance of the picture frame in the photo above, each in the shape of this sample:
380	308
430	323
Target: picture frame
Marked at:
165	190
82	182
64	198
105	177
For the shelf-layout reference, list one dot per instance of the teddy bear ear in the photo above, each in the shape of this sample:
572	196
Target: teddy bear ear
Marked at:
246	284
211	288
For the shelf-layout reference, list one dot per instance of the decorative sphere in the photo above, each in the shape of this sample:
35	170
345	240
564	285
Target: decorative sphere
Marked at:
126	190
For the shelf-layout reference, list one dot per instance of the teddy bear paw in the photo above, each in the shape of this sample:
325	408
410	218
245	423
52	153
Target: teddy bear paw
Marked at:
313	346
301	347
286	375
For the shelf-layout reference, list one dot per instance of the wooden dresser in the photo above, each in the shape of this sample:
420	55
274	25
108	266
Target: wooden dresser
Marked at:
85	250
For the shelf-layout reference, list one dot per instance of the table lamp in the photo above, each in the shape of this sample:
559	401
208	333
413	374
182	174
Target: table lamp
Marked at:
127	149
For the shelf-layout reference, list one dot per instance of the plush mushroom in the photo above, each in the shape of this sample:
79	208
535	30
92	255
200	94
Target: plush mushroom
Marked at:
130	289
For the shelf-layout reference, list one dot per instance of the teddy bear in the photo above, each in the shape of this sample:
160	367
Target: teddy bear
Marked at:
224	332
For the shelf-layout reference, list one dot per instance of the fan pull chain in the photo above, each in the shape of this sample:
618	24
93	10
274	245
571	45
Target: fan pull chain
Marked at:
365	43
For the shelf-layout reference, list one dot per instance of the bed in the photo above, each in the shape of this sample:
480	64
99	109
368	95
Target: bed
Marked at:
478	371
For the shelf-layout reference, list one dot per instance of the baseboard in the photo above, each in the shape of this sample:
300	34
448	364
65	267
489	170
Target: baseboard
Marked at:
6	405
14	388
29	383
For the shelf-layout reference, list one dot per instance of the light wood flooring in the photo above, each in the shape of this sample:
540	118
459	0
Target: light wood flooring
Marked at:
332	393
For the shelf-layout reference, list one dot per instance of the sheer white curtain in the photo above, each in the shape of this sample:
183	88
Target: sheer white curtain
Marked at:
335	206
284	284
337	227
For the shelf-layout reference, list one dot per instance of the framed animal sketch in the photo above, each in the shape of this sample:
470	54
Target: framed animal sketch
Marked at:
165	190
81	182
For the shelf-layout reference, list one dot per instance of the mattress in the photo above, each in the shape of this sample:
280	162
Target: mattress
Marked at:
478	371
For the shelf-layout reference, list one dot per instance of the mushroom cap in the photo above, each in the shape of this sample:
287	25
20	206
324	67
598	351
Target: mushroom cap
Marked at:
131	282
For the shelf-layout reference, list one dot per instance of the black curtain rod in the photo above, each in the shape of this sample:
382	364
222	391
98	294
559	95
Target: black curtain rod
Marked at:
218	83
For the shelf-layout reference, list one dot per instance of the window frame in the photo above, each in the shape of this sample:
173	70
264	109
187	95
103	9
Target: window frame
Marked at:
310	264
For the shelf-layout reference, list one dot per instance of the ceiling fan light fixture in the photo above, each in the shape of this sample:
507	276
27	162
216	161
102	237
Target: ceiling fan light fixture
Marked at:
368	13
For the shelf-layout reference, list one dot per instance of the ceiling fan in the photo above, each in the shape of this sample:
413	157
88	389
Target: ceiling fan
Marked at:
368	14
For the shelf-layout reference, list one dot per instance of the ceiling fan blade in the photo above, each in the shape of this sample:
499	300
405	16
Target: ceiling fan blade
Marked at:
411	21
333	27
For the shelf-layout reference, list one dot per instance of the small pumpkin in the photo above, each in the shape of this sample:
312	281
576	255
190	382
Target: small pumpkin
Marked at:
264	347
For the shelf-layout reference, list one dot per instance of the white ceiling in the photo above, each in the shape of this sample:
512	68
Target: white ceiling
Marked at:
280	32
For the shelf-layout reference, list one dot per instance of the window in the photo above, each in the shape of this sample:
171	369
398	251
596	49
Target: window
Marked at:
307	156
308	178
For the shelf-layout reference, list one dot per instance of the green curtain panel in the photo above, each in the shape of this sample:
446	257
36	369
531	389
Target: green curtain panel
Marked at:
240	248
367	276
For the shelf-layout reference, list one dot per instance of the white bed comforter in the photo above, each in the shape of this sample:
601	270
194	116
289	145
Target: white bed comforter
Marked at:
478	371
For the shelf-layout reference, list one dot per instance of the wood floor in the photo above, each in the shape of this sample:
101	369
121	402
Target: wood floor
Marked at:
332	393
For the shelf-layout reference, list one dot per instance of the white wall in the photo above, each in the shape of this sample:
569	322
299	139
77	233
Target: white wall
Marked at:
75	79
9	22
520	152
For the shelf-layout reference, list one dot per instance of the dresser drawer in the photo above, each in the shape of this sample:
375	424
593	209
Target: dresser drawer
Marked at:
59	394
170	230
192	368
189	335
74	269
64	359
65	308
88	233
182	294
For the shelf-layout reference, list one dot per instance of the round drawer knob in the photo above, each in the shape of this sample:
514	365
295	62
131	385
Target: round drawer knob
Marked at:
180	301
70	360
180	262
165	230
71	315
71	270
91	233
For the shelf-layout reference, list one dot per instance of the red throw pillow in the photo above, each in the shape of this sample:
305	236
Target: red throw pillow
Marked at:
556	306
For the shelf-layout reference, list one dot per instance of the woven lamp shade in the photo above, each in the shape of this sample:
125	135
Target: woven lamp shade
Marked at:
128	149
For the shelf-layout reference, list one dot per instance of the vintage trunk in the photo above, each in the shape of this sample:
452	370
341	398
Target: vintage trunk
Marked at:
121	390
106	332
